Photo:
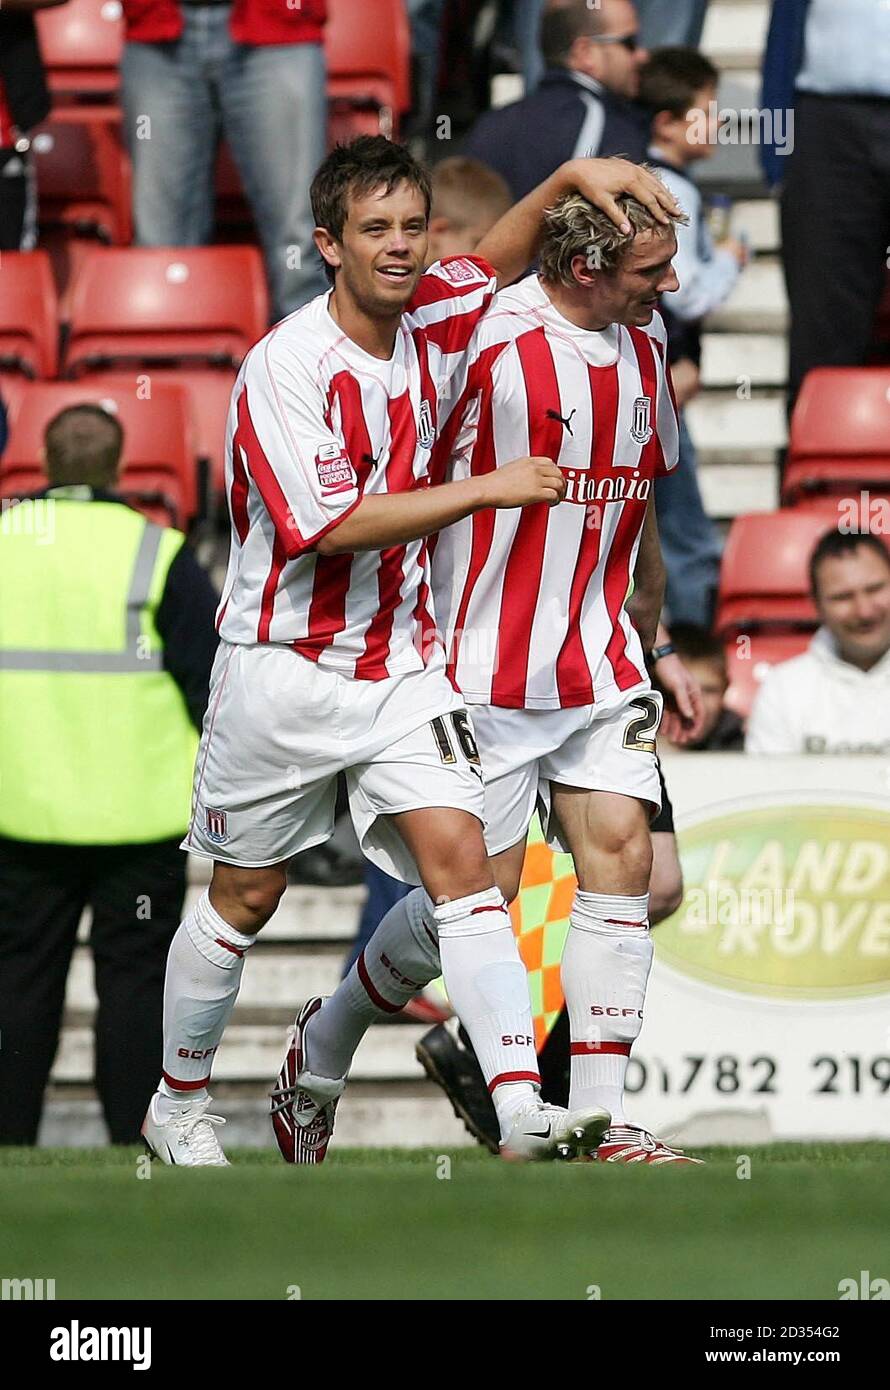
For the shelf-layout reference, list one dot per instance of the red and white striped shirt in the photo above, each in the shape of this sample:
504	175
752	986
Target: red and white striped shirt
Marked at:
530	602
315	424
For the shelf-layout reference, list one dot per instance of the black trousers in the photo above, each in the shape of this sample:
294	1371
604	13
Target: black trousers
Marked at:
136	894
835	230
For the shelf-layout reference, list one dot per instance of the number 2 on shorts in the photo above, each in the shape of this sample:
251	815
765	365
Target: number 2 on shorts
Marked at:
640	732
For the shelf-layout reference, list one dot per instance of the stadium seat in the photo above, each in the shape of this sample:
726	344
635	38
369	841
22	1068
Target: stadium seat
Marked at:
867	510
83	174
29	315
840	432
368	50
158	470
81	43
749	658
209	392
204	304
763	576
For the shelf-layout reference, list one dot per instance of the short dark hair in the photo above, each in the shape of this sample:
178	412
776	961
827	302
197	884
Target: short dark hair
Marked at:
356	170
695	643
836	545
562	22
83	445
671	78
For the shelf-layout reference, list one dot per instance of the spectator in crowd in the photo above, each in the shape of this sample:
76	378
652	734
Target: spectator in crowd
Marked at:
835	697
678	85
468	198
582	106
828	63
253	72
672	22
24	102
107	638
703	658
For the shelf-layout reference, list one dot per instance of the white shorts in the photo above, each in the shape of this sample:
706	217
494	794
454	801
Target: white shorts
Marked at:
605	748
279	729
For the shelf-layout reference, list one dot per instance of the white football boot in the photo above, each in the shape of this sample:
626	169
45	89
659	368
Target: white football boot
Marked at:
541	1132
187	1138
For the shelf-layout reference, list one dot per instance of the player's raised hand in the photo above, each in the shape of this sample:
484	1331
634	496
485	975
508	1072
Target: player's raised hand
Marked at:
600	181
523	482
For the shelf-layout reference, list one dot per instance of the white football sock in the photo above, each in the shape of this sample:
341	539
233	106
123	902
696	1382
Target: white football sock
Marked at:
204	968
399	960
605	967
488	988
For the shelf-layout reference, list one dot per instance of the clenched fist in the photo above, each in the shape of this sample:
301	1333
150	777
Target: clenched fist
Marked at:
523	482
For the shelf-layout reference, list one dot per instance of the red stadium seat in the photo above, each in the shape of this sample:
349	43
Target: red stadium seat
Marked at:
204	304
863	511
840	432
81	43
158	468
209	393
83	174
749	658
368	50
763	577
29	315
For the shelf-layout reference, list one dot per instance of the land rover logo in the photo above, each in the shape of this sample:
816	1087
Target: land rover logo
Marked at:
788	901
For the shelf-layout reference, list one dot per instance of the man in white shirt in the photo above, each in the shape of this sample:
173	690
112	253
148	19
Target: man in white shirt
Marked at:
835	698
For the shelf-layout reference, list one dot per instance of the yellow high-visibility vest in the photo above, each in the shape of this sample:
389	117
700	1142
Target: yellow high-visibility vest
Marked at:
96	744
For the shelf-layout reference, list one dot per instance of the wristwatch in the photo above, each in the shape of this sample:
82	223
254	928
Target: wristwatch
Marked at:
656	654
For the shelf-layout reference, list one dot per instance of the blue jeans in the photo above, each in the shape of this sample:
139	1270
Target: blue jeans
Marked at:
268	101
664	22
383	893
690	542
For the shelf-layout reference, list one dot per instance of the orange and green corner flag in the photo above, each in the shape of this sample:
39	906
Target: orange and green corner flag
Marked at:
541	922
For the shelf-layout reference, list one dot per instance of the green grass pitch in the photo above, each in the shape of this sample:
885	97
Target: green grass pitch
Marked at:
393	1224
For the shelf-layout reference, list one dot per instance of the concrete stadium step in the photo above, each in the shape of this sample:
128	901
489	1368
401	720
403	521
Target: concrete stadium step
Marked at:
277	977
401	1115
253	1052
728	430
735	32
305	914
734	168
758	220
730	489
757	304
730	359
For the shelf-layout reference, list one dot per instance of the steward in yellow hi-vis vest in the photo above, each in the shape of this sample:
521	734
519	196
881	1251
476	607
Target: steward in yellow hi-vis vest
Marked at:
106	642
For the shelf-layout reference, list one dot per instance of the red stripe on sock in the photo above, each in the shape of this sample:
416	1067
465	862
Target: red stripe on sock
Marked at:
228	945
582	1049
373	994
619	922
485	909
184	1085
506	1076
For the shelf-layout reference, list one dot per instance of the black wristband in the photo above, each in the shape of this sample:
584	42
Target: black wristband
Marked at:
656	654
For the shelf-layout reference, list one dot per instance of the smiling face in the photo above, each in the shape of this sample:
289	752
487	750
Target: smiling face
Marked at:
629	294
381	254
853	599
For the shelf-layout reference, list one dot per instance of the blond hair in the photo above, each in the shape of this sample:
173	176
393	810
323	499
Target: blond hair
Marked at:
574	227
